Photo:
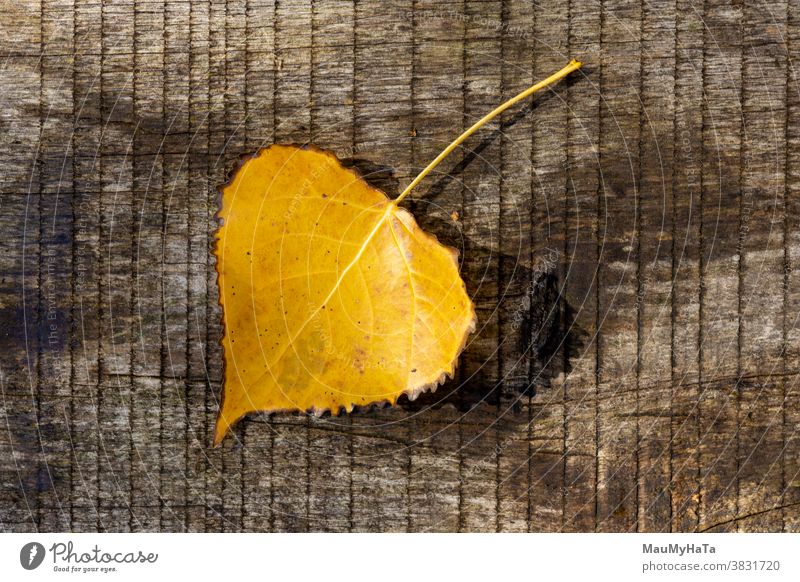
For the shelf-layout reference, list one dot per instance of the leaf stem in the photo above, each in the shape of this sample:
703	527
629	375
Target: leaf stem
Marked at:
572	66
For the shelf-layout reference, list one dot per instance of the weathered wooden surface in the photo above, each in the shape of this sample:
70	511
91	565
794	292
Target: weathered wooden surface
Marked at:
631	240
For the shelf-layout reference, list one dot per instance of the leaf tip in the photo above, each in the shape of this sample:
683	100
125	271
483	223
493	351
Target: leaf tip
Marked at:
221	429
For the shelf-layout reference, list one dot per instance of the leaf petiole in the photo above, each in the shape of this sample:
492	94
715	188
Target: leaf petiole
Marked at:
572	66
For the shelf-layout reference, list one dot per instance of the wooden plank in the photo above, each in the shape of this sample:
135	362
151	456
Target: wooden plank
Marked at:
761	255
480	373
22	469
719	284
85	304
116	249
145	423
790	474
199	412
175	268
55	227
685	301
619	220
514	276
258	125
233	109
219	164
654	281
331	127
580	275
437	106
381	139
545	288
291	450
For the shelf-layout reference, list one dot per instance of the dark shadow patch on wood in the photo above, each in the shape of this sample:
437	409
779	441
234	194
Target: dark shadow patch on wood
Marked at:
546	333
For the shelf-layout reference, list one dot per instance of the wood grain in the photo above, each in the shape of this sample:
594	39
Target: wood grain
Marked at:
630	239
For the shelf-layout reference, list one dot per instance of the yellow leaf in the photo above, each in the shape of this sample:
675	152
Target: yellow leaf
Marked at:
332	295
